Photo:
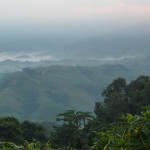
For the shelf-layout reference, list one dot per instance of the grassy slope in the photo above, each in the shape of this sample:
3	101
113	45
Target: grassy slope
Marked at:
42	93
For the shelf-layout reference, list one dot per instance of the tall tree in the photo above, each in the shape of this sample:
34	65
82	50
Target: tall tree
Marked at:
70	133
120	98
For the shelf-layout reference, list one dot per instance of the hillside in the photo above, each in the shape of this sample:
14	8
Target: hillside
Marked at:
40	94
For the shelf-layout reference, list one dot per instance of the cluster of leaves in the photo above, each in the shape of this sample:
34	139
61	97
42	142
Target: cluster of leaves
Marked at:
34	145
133	133
8	146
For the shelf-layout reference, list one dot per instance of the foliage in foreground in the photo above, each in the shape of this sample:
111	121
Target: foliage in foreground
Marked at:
133	133
35	145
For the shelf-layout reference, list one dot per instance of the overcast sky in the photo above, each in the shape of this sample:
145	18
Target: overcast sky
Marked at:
71	16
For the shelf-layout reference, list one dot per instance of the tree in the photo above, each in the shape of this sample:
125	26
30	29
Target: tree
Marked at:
117	86
32	131
84	116
10	130
121	98
138	94
64	136
70	133
76	118
115	102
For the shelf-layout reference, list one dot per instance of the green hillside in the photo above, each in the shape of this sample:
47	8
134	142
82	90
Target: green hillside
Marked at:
39	94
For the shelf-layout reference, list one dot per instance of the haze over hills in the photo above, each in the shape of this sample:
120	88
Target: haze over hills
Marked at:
41	93
106	46
110	47
72	75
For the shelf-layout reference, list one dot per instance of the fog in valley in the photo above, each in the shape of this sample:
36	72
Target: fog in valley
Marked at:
55	30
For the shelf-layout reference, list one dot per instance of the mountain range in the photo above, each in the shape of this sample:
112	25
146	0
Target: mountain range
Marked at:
41	77
106	46
40	93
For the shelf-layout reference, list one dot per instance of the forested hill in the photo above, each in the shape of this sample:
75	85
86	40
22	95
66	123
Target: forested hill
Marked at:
42	93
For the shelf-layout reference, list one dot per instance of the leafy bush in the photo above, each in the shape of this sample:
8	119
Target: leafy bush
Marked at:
10	146
133	133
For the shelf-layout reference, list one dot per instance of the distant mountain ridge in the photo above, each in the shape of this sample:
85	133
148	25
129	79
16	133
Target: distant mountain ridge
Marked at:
113	45
118	46
40	94
12	65
38	81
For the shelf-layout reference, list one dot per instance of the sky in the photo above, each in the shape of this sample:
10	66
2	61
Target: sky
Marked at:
71	17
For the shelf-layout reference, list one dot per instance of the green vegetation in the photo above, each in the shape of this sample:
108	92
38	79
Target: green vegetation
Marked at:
36	94
109	130
11	130
35	145
132	133
121	98
71	132
119	123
